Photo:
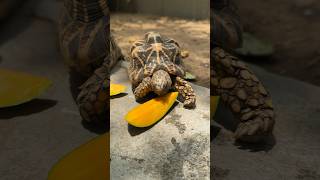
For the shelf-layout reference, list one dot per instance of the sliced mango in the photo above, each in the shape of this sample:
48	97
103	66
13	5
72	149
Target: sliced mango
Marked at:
116	89
88	162
214	101
17	87
152	111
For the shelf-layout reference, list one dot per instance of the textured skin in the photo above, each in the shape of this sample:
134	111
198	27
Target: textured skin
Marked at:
241	90
143	89
184	88
155	60
89	49
237	86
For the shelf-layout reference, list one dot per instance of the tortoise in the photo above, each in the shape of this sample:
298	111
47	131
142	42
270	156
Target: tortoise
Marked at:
155	66
90	51
233	81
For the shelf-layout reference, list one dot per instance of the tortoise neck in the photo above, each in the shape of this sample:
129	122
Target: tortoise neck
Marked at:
87	10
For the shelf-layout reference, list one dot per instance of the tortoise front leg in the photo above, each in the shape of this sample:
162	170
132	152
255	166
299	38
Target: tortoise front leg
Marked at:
143	88
93	97
247	98
185	89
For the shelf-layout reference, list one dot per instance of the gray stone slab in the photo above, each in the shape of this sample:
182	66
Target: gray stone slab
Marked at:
294	152
175	148
36	135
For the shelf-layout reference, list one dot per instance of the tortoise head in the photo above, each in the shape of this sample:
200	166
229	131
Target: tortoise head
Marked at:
153	37
161	82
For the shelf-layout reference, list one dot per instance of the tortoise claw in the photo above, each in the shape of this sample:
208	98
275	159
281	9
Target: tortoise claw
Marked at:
254	130
186	91
190	103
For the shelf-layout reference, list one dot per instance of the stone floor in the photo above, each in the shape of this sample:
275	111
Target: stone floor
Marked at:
35	135
177	147
293	152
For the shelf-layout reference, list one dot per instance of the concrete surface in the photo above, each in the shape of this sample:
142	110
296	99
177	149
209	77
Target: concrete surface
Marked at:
177	147
36	135
293	153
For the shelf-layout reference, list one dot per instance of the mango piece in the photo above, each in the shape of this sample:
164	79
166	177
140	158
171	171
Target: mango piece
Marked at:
17	87
214	101
116	89
150	112
87	162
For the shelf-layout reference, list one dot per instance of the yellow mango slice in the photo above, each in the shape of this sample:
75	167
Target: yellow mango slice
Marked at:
88	162
214	100
17	87
116	89
150	112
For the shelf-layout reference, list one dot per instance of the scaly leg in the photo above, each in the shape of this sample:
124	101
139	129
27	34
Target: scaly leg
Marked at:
185	89
93	97
95	92
241	90
143	88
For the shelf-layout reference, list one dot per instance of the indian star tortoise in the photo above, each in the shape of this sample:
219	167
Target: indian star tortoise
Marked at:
155	66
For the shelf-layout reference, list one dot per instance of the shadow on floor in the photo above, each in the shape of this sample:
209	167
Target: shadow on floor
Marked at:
32	107
266	145
118	95
96	128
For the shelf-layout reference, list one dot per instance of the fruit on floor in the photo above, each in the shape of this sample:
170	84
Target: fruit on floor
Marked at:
87	162
18	87
152	111
116	89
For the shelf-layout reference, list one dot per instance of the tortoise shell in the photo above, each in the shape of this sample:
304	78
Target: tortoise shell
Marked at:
154	52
